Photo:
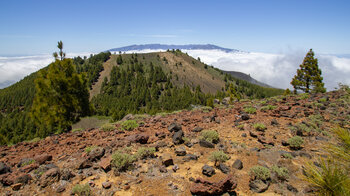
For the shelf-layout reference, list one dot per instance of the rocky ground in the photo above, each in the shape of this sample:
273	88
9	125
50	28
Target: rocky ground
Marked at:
81	162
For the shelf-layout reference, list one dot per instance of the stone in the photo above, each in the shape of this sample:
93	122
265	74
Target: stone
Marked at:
197	129
96	153
141	138
29	168
50	177
224	168
106	185
244	135
25	161
305	154
105	163
245	116
175	168
66	174
167	160
207	170
16	187
205	187
23	178
83	164
61	186
206	144
258	186
292	188
190	157
4	168
178	137
174	127
237	164
180	151
41	159
274	122
162	169
285	143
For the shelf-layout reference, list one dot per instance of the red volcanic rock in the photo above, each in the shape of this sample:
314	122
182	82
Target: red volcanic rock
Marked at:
41	159
141	138
105	163
205	187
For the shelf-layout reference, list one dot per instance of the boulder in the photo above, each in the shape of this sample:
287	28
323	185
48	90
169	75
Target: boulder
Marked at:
4	168
41	159
167	160
178	137
141	138
258	186
197	129
237	164
180	151
66	174
23	178
206	144
189	157
224	168
205	187
245	116
207	170
50	177
106	185
105	163
174	127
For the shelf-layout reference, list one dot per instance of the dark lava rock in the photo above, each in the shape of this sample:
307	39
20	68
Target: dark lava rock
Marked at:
224	168
178	137
4	168
285	143
190	157
25	161
96	153
206	144
292	188
244	135
258	186
305	154
207	170
245	116
66	174
174	127
237	164
180	151
50	177
274	122
23	178
320	138
197	129
106	185
205	187
141	138
167	160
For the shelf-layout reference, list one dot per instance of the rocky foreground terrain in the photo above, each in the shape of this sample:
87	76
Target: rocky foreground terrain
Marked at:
180	154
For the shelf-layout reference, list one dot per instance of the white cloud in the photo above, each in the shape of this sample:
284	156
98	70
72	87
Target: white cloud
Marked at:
274	69
13	69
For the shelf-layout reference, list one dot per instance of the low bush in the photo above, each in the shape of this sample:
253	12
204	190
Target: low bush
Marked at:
129	125
295	142
107	127
210	136
81	190
259	127
122	161
268	107
250	110
145	152
260	173
90	148
218	157
281	173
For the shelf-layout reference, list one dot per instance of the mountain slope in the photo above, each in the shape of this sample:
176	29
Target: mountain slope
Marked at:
247	78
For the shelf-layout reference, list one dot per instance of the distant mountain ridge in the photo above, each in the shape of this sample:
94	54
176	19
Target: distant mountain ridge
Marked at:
170	47
247	78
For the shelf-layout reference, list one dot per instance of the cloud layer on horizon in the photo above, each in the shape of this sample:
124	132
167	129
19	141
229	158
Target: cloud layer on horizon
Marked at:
274	69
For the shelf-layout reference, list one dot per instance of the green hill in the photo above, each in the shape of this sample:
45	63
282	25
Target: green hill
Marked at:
130	83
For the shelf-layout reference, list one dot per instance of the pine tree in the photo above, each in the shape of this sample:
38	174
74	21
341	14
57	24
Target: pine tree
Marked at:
61	96
309	75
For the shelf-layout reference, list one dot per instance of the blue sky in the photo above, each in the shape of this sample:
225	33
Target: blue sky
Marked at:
34	27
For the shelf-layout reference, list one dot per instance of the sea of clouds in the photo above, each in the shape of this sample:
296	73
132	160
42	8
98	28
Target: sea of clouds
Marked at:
276	70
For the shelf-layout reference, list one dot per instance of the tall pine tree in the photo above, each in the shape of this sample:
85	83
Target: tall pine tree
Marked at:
61	96
308	76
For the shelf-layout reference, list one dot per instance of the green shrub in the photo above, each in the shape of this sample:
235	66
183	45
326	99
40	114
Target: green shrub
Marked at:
28	162
144	152
287	156
107	127
90	148
129	125
81	190
122	161
322	100
295	142
210	136
259	127
77	130
328	179
260	173
218	156
250	110
281	173
303	96
268	107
